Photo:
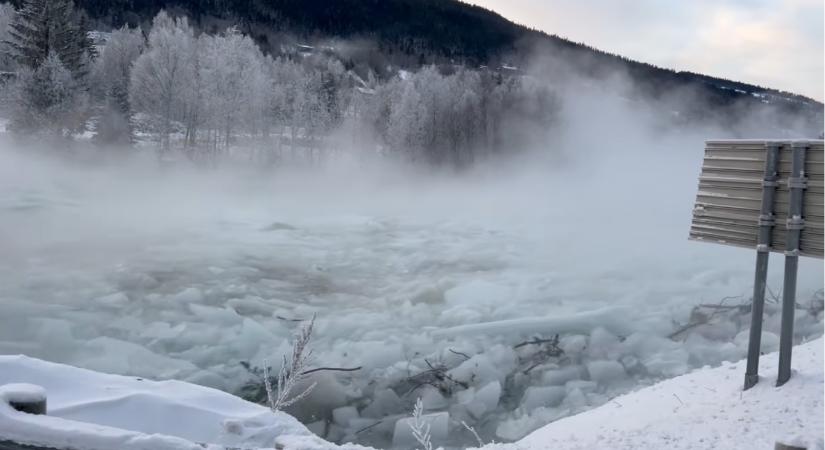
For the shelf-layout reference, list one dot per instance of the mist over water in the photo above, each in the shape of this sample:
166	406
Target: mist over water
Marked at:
179	272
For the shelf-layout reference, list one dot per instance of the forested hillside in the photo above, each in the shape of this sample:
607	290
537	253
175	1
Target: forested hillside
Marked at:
415	32
431	80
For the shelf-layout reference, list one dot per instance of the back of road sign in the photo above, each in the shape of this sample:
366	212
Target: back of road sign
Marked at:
729	199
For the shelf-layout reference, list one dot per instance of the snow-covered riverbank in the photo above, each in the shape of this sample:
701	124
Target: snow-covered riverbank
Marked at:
95	411
703	409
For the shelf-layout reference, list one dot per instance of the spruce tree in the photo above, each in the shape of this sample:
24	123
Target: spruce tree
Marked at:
44	26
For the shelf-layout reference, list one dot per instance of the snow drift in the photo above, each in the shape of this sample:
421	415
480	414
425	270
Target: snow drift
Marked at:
703	409
96	411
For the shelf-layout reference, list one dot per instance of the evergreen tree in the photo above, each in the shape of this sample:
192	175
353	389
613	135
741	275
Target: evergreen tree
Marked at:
41	27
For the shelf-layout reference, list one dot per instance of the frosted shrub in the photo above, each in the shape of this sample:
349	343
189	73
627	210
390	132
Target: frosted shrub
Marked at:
292	372
420	427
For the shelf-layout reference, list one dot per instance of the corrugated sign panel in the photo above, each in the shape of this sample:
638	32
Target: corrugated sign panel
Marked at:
730	195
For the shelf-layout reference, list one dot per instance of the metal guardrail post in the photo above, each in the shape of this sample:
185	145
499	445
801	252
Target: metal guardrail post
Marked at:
33	405
766	223
796	186
782	446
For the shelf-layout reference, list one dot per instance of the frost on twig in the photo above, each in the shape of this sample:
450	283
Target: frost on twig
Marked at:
420	427
292	372
475	434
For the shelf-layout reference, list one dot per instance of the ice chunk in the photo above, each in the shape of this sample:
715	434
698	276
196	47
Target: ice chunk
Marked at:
402	436
603	344
582	385
188	295
669	364
318	428
720	331
660	356
375	353
384	402
769	343
517	428
561	376
613	318
113	355
605	372
162	330
343	415
542	396
223	316
328	393
432	398
493	365
576	400
250	305
484	400
489	395
573	344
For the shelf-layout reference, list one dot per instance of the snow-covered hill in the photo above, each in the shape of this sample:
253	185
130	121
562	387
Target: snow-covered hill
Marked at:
705	409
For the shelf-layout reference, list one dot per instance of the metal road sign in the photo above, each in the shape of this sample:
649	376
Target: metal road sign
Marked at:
765	195
729	201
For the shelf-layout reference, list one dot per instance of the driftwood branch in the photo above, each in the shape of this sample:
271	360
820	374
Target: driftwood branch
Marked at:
553	340
334	369
368	427
459	353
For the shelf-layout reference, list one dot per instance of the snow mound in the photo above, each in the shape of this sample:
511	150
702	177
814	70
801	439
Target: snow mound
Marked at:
102	411
703	409
22	393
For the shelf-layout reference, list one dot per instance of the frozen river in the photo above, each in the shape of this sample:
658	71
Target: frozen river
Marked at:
428	284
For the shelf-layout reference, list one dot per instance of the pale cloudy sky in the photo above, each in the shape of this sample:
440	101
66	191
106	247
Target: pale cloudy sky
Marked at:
773	43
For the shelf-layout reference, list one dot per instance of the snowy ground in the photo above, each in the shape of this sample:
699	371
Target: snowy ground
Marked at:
704	409
185	275
96	411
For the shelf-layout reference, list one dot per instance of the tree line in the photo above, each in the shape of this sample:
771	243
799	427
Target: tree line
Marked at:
207	96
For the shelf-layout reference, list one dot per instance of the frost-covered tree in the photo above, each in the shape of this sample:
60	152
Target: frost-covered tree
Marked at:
49	99
163	75
285	95
234	83
42	27
457	117
113	77
407	121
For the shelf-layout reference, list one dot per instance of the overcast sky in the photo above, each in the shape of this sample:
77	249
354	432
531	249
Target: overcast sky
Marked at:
772	43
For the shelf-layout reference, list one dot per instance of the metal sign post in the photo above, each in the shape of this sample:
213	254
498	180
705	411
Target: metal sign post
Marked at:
745	190
766	223
797	184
